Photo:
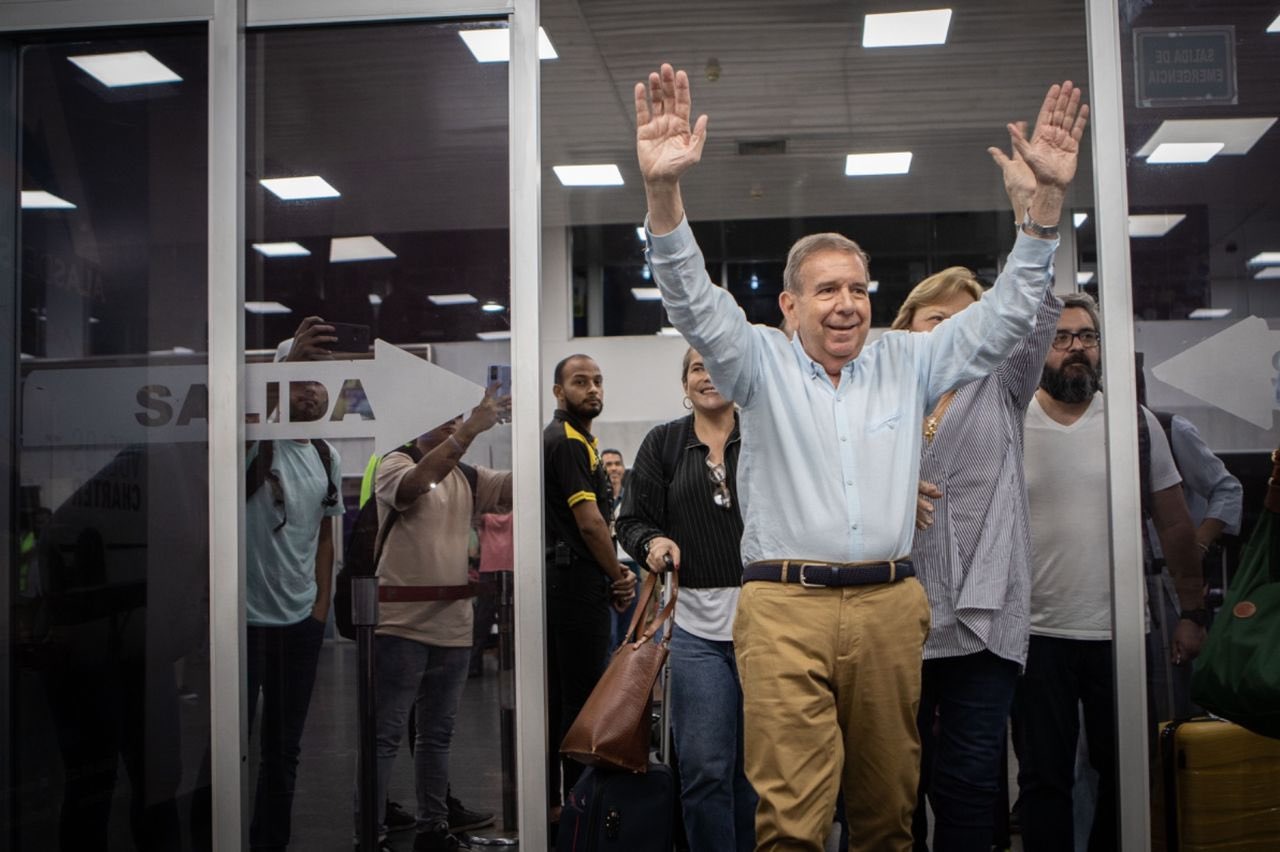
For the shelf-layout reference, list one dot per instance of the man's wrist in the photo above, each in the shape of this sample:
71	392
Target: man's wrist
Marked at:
1046	206
1198	616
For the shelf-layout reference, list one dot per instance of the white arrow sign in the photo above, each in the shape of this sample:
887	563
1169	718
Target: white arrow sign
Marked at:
393	399
1231	370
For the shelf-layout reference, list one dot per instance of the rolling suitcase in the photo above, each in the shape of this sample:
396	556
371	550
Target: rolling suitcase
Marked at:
616	811
1220	788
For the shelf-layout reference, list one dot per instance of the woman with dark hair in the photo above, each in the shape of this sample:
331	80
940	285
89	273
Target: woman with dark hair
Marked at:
680	511
972	553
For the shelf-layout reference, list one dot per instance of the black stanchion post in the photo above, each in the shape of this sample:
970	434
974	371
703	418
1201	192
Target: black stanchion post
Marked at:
364	616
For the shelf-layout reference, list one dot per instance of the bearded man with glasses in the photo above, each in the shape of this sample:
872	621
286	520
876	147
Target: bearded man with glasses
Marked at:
1069	657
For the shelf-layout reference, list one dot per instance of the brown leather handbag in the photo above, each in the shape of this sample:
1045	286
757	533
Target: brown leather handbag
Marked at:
613	728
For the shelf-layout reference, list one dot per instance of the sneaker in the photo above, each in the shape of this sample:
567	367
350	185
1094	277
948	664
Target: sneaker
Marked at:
398	819
461	819
384	845
435	839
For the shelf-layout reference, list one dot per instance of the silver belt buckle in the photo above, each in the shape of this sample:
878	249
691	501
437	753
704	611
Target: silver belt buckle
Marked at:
805	583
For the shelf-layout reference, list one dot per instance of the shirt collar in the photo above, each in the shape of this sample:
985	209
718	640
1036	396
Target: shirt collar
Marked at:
813	367
565	417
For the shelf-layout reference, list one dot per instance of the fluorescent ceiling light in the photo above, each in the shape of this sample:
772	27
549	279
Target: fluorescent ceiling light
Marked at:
38	199
906	29
603	174
375	299
1185	152
494	335
1237	135
889	163
492	308
646	294
669	331
134	68
494	44
641	235
1269	272
347	249
1274	26
1078	219
1154	224
1083	278
1208	313
453	299
281	249
298	188
1265	258
267	308
873	286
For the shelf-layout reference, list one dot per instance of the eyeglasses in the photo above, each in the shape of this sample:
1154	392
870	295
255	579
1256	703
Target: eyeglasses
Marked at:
1089	338
720	487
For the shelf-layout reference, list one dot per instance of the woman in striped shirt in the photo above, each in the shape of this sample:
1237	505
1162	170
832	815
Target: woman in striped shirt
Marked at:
680	510
972	552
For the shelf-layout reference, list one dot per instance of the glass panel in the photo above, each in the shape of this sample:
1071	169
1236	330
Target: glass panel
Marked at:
107	629
791	92
377	210
1200	115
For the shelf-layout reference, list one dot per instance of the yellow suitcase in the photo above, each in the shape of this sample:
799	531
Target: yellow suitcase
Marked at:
1221	788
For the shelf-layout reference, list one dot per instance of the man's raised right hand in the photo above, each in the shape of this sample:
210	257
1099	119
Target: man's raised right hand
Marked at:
666	144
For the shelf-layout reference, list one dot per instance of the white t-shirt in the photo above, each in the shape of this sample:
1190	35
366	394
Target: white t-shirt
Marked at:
1066	470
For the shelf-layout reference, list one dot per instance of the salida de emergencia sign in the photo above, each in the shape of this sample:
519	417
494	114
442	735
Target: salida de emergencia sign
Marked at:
1185	65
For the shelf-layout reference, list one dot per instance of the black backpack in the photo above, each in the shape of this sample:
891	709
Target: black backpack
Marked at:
259	472
364	545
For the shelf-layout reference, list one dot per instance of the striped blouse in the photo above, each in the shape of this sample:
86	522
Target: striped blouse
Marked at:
974	560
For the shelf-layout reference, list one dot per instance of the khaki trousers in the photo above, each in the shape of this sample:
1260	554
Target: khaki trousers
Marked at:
831	685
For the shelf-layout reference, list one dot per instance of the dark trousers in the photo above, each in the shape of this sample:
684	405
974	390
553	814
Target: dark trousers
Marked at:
577	652
964	713
282	664
1062	674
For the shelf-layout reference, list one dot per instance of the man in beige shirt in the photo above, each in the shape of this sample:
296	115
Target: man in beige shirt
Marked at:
423	643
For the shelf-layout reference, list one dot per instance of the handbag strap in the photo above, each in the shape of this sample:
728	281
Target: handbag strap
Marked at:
642	605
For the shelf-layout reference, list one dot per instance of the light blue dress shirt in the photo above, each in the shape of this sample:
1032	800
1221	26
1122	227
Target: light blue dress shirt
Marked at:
829	473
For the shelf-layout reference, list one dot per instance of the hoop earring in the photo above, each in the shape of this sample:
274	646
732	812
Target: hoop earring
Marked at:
688	404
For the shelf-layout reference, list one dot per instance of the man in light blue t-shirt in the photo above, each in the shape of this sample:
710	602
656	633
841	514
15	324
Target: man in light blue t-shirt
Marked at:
292	488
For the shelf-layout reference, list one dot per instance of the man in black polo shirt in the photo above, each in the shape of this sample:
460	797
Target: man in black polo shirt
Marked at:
583	573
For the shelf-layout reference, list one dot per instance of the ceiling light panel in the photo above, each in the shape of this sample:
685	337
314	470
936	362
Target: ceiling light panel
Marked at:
1185	152
281	249
1079	219
347	249
640	234
493	44
299	188
453	299
1274	27
669	331
494	335
1237	135
1265	258
1083	278
906	29
1153	224
132	68
38	199
267	308
888	163
646	294
492	308
1269	272
1208	313
601	174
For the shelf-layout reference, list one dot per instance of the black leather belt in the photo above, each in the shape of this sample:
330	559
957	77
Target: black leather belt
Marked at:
821	575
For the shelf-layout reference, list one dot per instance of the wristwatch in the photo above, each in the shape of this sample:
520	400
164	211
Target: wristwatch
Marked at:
1035	229
1198	616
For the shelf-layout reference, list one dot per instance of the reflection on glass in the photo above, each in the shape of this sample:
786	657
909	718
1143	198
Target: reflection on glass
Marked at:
1200	125
377	272
108	627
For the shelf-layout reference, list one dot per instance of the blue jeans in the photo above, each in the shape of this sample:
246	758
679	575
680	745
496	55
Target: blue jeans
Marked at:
430	679
719	803
969	698
1061	675
281	662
